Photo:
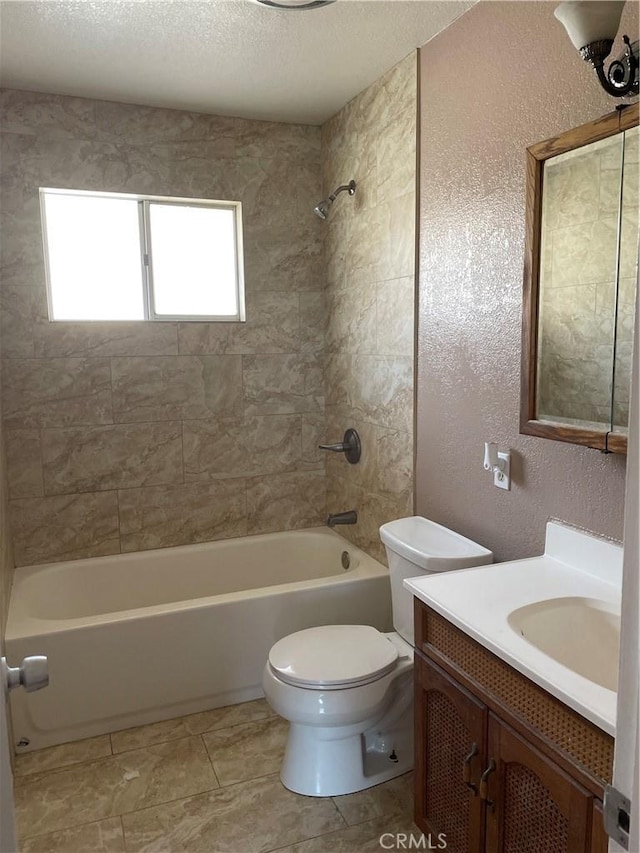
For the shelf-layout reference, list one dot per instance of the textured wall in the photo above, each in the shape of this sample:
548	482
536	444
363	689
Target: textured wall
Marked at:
126	436
580	205
370	256
518	80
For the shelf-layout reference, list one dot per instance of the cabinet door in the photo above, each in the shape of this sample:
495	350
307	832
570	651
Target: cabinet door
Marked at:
532	805
450	735
599	838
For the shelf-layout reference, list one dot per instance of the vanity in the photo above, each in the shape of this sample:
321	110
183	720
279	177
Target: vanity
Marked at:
515	698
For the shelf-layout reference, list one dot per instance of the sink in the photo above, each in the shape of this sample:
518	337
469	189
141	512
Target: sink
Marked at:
582	634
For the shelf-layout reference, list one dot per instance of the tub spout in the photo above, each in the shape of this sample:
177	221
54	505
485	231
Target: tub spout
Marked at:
349	517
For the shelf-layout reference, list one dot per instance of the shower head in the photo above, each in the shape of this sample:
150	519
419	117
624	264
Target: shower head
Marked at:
323	207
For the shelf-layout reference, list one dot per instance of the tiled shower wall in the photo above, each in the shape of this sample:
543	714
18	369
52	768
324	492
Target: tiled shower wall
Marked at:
128	436
370	255
6	553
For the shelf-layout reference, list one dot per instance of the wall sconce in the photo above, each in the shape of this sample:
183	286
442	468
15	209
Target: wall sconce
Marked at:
592	26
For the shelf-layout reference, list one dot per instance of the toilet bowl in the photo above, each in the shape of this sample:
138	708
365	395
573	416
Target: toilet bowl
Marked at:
347	690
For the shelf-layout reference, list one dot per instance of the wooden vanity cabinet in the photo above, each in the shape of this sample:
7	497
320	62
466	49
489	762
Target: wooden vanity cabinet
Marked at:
450	751
489	780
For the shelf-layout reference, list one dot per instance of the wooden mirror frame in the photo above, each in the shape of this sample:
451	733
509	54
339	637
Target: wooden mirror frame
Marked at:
624	118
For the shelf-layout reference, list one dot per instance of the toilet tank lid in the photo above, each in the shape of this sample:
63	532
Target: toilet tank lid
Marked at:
431	546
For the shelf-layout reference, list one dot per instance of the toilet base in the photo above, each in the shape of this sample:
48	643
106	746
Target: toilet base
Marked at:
328	762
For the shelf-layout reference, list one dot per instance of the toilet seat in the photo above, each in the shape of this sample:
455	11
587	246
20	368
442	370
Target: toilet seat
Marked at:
333	657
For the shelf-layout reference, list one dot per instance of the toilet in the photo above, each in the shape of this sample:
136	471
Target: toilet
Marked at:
347	690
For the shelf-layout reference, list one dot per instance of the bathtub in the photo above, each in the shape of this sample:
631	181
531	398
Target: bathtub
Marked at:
137	638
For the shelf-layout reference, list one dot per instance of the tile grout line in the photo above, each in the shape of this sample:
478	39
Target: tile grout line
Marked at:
208	754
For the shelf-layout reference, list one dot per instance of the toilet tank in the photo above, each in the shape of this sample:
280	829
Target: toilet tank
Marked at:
416	546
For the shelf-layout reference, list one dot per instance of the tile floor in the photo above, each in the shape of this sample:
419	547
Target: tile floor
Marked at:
205	783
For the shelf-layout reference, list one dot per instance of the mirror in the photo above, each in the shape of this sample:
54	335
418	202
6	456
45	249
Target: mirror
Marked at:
581	265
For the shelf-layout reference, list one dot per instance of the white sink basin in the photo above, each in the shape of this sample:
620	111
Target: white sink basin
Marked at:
582	634
555	618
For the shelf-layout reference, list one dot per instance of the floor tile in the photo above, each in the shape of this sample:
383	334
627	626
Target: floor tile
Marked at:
194	724
46	802
247	752
62	756
104	836
252	817
365	838
392	797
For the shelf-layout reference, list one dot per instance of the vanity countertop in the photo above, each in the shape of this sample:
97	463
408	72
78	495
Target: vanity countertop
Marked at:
579	578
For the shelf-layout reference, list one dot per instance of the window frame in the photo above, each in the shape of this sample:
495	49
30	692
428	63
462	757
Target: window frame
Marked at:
146	258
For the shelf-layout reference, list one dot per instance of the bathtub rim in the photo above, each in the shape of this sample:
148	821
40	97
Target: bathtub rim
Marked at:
21	625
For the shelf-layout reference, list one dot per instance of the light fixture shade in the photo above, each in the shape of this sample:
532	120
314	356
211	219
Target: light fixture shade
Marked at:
587	21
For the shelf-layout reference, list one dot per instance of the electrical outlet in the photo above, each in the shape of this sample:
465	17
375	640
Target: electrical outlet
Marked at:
502	479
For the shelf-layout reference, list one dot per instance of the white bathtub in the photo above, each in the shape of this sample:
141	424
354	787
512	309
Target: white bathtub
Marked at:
136	638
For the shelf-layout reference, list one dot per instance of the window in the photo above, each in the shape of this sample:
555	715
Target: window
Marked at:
127	257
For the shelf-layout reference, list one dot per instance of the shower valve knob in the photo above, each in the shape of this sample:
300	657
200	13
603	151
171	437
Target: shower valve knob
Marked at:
32	674
350	446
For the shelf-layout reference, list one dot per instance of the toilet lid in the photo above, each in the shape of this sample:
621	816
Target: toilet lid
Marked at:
333	656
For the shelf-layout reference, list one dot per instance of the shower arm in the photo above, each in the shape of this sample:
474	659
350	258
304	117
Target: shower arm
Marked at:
350	188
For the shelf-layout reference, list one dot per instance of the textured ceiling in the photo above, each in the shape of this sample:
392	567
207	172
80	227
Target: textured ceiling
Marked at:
231	57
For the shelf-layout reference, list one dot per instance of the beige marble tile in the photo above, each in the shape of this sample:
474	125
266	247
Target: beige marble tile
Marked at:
103	836
204	169
141	125
395	317
282	259
395	147
21	308
56	392
64	527
46	115
380	389
260	183
372	836
47	802
24	463
55	757
367	243
282	384
398	221
313	433
163	516
286	501
313	322
394	463
253	816
229	447
105	339
194	724
295	143
390	798
248	751
175	387
21	255
351	326
91	459
390	94
272	326
80	163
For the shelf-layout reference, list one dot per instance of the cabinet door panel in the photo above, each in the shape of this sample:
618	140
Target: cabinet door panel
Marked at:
450	725
532	806
599	838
